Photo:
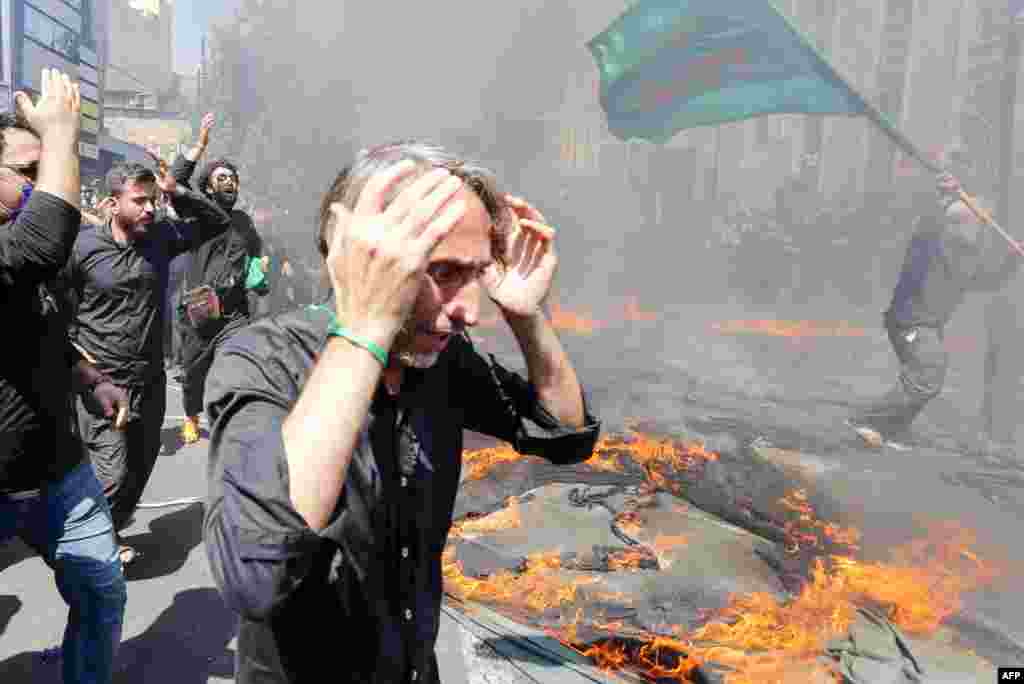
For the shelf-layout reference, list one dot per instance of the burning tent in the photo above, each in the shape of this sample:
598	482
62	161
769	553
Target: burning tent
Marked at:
659	560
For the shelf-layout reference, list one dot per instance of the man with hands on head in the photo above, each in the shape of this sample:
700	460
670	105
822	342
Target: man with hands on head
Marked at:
49	495
337	430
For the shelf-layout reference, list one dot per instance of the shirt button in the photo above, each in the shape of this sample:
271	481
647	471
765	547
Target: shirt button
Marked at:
408	615
415	675
405	481
405	552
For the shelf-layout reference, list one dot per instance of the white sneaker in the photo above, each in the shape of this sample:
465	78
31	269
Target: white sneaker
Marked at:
870	436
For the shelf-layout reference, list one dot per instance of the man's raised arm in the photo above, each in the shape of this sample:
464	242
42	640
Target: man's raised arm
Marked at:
211	219
519	289
35	248
185	165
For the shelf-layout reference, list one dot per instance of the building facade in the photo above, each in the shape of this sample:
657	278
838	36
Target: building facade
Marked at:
68	35
141	58
935	68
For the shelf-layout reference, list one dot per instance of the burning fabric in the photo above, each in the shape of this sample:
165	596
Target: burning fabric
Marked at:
792	329
662	559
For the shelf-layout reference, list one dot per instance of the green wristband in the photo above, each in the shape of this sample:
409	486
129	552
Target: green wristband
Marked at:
335	330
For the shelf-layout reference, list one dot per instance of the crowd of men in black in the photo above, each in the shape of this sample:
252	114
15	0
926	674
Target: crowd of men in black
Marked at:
93	288
336	422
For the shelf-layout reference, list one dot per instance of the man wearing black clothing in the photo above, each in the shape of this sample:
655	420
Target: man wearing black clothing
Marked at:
224	264
178	268
49	495
949	255
337	433
118	276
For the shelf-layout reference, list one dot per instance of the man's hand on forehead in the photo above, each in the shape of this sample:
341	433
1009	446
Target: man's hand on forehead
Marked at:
379	250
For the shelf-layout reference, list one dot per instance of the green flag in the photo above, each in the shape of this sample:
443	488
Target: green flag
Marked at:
669	65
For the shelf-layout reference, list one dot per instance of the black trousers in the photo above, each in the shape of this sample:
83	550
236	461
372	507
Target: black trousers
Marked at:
197	354
923	364
124	459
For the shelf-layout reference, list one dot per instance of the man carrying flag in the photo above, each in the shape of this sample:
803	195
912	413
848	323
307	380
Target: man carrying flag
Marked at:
670	65
948	256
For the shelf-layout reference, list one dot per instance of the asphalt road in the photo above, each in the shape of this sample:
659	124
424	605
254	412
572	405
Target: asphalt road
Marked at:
673	372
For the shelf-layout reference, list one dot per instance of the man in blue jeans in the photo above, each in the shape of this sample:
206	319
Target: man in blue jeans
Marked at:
49	495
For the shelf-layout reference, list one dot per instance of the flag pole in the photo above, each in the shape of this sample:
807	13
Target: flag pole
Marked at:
897	136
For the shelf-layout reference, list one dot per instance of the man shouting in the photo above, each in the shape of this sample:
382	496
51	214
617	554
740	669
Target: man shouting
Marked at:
229	265
337	430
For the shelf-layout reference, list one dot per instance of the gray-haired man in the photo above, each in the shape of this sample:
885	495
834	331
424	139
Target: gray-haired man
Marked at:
337	430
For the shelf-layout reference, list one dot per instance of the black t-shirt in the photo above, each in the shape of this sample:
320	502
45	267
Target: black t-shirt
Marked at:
38	441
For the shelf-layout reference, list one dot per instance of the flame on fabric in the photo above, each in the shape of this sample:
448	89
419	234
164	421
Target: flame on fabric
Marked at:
758	637
506	518
795	329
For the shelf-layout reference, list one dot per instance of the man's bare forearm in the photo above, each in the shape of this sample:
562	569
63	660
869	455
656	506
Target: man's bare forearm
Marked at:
323	428
550	371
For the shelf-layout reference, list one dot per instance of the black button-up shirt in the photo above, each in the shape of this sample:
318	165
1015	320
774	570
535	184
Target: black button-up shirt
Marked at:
359	601
119	290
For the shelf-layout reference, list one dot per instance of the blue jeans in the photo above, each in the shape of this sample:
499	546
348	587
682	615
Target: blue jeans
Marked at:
68	524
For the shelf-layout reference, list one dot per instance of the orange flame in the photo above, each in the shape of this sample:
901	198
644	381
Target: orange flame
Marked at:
656	456
760	638
660	659
629	559
479	462
807	531
537	589
789	328
632	312
570	321
505	519
764	640
581	323
653	453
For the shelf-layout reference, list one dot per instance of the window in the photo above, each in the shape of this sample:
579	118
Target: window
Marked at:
51	34
90	125
88	30
89	90
88	55
88	73
36	58
90	108
59	11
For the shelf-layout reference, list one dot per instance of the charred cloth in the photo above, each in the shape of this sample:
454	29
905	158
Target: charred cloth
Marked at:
660	558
